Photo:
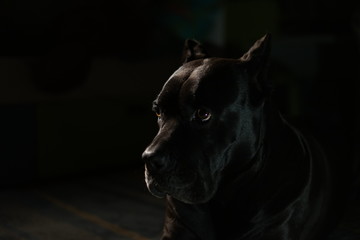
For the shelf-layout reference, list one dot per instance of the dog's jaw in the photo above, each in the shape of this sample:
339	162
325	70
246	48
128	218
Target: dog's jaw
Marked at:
196	191
152	185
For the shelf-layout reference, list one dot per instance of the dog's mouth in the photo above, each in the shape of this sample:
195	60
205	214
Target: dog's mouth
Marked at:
155	189
194	190
153	186
160	186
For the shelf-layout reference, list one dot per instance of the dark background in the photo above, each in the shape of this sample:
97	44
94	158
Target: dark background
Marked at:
77	77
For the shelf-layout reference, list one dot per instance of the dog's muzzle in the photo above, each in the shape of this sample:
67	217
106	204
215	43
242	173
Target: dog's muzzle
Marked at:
155	163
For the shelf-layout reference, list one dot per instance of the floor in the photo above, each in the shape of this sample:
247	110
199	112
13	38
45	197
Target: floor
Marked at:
107	207
111	207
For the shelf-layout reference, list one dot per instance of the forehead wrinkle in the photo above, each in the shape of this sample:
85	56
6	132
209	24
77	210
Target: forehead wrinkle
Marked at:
172	88
170	93
190	86
172	85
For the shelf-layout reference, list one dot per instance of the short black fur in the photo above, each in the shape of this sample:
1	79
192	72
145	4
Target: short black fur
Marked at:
245	173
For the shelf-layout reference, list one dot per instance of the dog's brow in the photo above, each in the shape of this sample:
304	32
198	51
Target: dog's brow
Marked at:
155	105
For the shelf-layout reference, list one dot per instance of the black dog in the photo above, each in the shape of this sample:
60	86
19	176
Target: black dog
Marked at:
230	166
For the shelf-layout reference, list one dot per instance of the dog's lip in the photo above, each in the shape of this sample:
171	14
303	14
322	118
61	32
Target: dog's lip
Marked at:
155	190
158	190
153	186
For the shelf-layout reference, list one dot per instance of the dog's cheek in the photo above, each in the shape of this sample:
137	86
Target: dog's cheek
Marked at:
197	194
226	137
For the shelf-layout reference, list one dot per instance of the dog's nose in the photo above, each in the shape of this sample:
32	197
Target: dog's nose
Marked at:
154	162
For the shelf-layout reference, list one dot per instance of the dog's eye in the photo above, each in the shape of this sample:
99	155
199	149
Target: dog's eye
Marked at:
157	111
203	114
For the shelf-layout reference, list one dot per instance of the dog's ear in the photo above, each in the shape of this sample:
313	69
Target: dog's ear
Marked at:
259	53
257	60
193	50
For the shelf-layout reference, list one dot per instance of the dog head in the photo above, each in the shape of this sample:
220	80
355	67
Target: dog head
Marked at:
208	115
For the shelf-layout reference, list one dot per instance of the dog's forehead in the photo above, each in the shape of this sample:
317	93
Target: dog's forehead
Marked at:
188	75
184	83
